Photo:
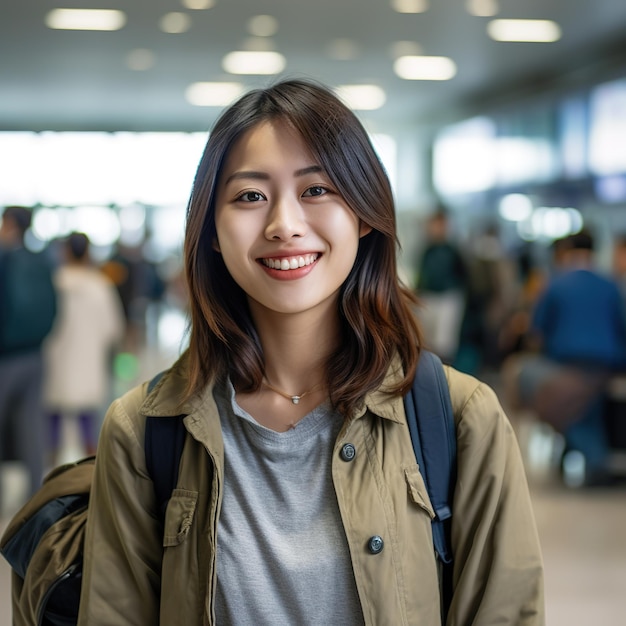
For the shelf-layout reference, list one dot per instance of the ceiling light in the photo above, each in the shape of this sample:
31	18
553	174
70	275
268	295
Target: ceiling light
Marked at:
175	23
362	97
536	31
213	94
262	25
409	6
482	8
197	5
245	62
424	68
140	59
85	19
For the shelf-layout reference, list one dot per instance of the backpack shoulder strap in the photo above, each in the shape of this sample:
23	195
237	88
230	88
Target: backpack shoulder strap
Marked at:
431	424
164	442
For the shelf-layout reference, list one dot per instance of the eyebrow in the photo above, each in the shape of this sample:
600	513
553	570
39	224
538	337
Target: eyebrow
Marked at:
311	169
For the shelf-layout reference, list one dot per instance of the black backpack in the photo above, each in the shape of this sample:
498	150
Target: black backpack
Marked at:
28	303
45	538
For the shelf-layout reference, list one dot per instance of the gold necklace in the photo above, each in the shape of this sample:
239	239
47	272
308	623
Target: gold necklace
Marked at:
295	399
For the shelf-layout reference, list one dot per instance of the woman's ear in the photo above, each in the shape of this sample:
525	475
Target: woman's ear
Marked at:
364	229
216	245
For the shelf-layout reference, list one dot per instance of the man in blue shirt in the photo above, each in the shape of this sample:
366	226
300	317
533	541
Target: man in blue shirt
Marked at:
579	324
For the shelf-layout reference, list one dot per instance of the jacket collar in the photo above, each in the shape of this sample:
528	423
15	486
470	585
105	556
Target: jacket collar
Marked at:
165	400
382	403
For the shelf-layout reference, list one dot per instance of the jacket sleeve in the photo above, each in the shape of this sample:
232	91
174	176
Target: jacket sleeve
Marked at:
123	544
498	568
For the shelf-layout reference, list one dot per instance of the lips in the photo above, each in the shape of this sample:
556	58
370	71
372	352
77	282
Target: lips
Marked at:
290	262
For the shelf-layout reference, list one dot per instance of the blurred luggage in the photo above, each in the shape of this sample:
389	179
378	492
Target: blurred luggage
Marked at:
27	300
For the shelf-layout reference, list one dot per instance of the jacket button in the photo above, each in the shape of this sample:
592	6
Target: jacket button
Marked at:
375	544
348	452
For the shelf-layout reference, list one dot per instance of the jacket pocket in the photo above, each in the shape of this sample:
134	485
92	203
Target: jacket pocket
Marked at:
179	516
417	489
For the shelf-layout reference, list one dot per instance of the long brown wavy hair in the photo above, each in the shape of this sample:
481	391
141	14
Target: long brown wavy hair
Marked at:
375	309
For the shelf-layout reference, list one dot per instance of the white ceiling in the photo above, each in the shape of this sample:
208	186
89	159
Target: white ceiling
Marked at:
79	80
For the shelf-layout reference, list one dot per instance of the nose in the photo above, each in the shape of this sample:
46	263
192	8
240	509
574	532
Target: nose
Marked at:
285	220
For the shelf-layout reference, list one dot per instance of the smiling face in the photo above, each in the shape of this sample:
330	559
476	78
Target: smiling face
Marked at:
287	237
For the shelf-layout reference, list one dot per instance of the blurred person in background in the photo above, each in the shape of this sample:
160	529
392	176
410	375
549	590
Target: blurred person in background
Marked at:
28	307
80	349
493	285
441	286
579	328
139	285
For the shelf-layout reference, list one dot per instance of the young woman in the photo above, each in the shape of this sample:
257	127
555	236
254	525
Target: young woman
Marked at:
302	344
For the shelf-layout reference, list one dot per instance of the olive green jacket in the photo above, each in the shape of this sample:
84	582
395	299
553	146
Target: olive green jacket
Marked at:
498	572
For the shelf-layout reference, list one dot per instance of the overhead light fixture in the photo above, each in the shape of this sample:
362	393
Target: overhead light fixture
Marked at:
482	8
261	62
424	68
206	94
85	19
175	23
198	5
410	6
262	25
362	97
534	31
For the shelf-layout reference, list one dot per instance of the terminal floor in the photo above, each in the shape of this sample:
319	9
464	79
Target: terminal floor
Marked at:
582	531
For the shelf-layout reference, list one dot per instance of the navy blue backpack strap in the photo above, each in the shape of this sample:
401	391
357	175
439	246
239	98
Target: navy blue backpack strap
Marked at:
431	424
164	441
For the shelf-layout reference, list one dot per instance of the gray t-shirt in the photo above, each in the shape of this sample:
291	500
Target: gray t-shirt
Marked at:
282	553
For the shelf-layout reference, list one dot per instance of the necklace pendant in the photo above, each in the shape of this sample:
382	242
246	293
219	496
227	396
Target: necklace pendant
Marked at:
295	399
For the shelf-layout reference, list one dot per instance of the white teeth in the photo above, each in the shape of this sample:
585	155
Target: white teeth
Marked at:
291	263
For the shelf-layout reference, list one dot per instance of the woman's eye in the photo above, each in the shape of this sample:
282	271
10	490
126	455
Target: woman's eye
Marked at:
250	196
315	191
